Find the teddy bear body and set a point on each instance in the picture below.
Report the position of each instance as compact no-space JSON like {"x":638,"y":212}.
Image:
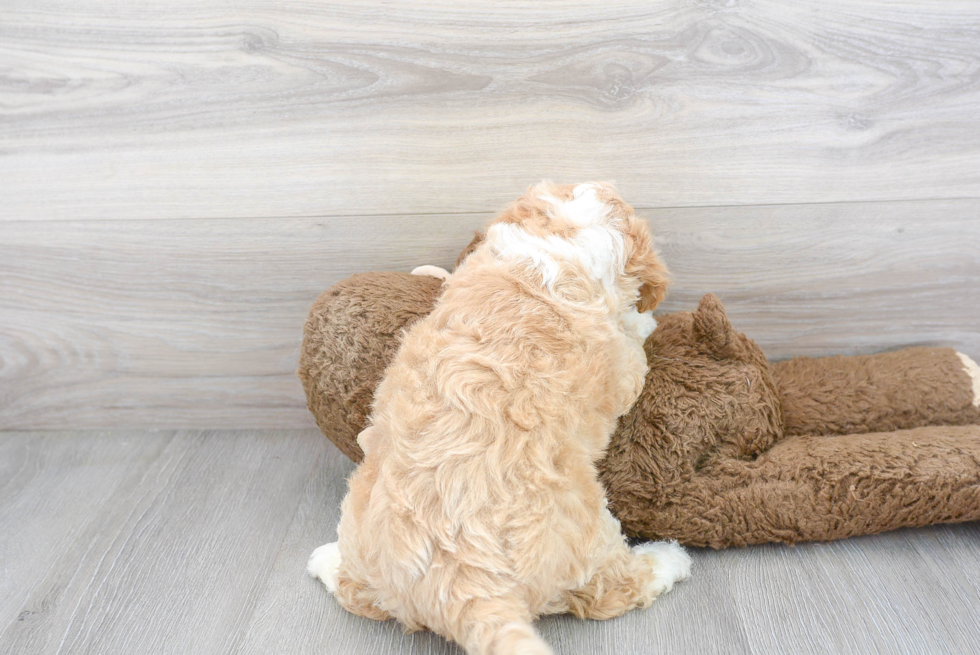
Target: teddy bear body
{"x":724,"y":448}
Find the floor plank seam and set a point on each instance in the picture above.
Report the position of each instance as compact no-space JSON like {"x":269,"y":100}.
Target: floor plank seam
{"x":485,"y":212}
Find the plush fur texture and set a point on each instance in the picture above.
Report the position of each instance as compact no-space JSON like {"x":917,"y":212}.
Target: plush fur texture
{"x":806,"y":449}
{"x":477,"y":506}
{"x":723,"y":449}
{"x":351,"y":335}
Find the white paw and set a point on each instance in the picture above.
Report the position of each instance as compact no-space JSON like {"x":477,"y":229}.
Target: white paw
{"x":639,"y":325}
{"x":671,"y":563}
{"x":324,"y":563}
{"x":974,"y":372}
{"x":432,"y":271}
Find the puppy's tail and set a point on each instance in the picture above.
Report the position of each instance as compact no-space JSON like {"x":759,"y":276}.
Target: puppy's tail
{"x":500,"y":627}
{"x":517,"y":639}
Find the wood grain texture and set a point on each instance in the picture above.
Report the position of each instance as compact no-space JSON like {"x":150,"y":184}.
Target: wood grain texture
{"x":191,"y":323}
{"x":196,"y":542}
{"x":53,"y":487}
{"x":833,"y":279}
{"x":177,"y":323}
{"x":113,"y":110}
{"x":173,"y":559}
{"x":894,"y":593}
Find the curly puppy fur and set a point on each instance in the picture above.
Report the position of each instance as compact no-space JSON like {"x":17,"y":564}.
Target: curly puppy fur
{"x":477,"y":507}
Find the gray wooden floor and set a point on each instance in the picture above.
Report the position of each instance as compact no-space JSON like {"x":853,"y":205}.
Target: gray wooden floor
{"x":196,"y":542}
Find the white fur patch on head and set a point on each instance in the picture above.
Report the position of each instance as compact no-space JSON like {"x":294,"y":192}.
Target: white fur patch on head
{"x":973,"y":370}
{"x":670,"y":562}
{"x":597,"y":248}
{"x":324,"y":564}
{"x":583,"y":209}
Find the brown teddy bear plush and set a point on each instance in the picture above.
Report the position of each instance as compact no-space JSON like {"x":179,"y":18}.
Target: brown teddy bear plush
{"x":725,"y":449}
{"x":722,"y":448}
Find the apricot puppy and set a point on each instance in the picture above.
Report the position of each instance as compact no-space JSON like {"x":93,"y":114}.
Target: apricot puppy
{"x":477,"y":507}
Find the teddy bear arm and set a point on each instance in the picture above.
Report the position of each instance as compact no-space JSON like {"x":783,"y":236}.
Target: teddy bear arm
{"x":818,"y":488}
{"x":899,"y":390}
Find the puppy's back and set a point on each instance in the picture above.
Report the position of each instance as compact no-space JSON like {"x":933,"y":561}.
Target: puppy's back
{"x":483,"y":480}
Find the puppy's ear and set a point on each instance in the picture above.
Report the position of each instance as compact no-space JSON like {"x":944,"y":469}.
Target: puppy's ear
{"x":645,"y":265}
{"x":655,"y":279}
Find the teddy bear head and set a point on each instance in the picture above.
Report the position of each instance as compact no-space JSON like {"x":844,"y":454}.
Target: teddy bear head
{"x":709,"y":397}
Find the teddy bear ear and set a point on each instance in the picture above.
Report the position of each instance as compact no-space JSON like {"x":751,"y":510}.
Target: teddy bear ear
{"x":712,"y":327}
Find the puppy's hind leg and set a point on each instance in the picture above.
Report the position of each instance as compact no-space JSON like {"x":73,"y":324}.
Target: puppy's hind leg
{"x":666,"y":562}
{"x":326,"y":565}
{"x":628,"y":578}
{"x":633,"y":579}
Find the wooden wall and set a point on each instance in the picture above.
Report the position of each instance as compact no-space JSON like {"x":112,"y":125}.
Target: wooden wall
{"x":179,"y":180}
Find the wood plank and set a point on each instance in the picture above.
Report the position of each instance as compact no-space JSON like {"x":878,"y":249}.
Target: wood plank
{"x":53,"y":486}
{"x":833,"y":279}
{"x":198,"y":323}
{"x":176,"y":555}
{"x":196,"y":542}
{"x":259,"y":108}
{"x":886,"y":593}
{"x":178,"y":323}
